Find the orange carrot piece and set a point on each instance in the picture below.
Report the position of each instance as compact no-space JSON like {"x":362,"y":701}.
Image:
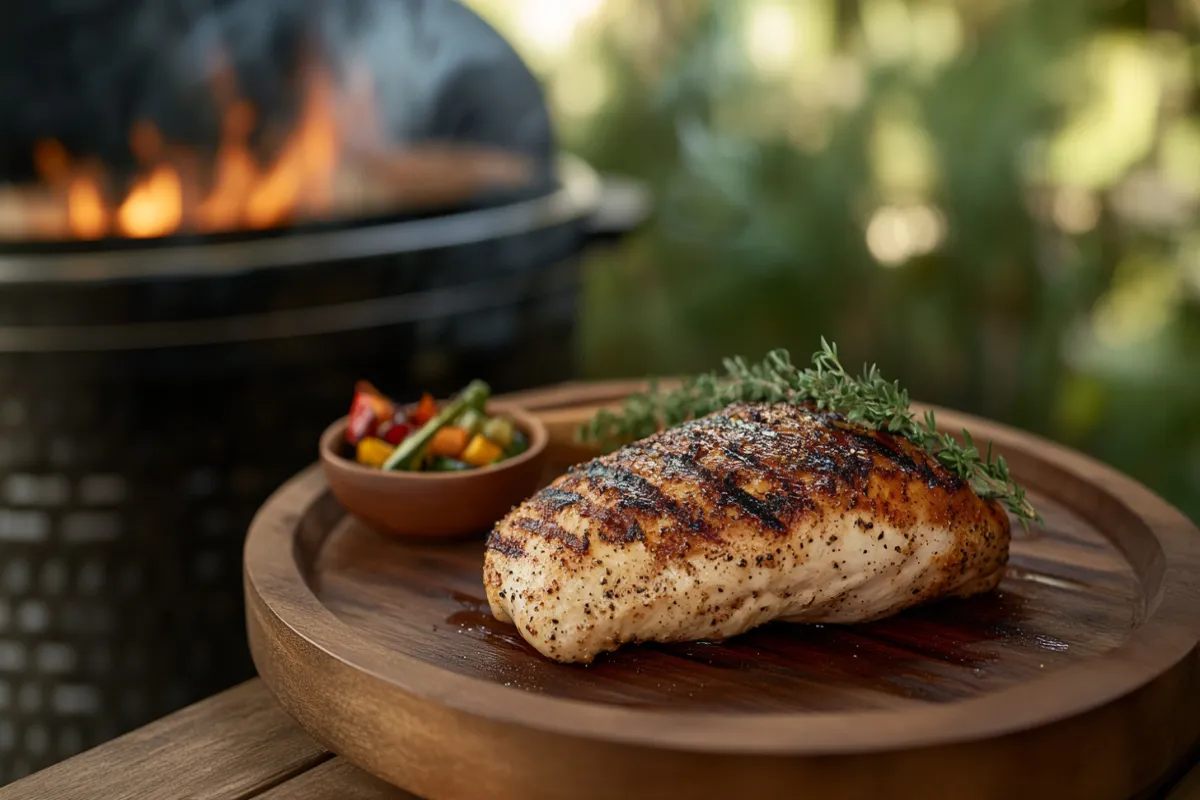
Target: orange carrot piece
{"x":449,"y":442}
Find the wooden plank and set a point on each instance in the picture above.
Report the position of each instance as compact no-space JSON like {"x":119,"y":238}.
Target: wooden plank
{"x":232,"y":746}
{"x":336,"y":779}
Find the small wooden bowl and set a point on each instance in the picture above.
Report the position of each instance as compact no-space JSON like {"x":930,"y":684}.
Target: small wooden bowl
{"x":435,"y":505}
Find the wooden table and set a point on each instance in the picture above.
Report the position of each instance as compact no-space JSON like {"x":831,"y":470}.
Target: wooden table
{"x":240,"y":745}
{"x":236,"y":745}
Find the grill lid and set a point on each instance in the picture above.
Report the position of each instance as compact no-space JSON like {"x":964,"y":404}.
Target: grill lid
{"x":154,"y":118}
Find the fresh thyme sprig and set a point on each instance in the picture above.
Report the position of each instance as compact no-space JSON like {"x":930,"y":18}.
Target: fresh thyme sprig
{"x":868,"y":400}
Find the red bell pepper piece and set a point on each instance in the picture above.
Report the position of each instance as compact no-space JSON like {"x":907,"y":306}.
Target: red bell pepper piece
{"x":426,"y":410}
{"x":395,"y":432}
{"x":369,"y":408}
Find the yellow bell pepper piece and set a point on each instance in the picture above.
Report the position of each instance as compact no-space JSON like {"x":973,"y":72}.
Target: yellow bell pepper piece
{"x":480,"y":452}
{"x":372,"y":452}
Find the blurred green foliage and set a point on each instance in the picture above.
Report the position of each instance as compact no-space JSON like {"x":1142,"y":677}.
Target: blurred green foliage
{"x":996,"y":200}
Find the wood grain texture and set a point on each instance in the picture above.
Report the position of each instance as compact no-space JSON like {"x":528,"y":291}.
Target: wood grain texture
{"x":1066,"y":600}
{"x":1080,"y":678}
{"x":337,"y":779}
{"x":130,"y":771}
{"x":230,"y":747}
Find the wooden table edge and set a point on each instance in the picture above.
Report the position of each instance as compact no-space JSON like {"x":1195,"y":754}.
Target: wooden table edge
{"x":234,"y":745}
{"x":317,"y":775}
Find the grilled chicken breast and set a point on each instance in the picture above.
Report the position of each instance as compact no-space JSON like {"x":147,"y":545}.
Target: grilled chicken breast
{"x":755,"y":513}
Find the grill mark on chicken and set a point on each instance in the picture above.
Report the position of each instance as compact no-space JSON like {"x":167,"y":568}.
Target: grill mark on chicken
{"x":558,"y":498}
{"x":548,"y":530}
{"x":614,"y":522}
{"x":634,"y":493}
{"x":844,"y":452}
{"x":795,"y":451}
{"x":799,"y":451}
{"x":735,"y":439}
{"x":779,"y":460}
{"x":920,"y":465}
{"x":633,"y":533}
{"x":723,"y":435}
{"x":723,"y":490}
{"x":889,"y":447}
{"x":505,"y":545}
{"x":740,"y":443}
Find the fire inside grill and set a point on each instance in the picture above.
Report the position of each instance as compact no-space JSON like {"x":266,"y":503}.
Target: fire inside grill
{"x":331,"y":163}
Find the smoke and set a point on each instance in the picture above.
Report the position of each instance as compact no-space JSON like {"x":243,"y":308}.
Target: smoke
{"x":83,"y":71}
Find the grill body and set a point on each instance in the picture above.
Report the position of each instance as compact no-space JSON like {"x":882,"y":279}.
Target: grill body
{"x":151,"y":399}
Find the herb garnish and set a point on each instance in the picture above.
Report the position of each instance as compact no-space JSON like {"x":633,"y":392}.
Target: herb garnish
{"x":868,"y":400}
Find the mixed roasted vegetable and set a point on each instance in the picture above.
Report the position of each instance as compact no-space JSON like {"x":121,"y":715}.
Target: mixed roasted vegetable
{"x":456,"y":436}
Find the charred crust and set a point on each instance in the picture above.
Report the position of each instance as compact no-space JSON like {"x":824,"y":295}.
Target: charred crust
{"x":552,"y":531}
{"x":505,"y":545}
{"x":558,"y":498}
{"x":771,"y":466}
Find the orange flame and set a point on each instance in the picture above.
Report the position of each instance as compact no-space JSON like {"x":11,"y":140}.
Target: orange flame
{"x":86,"y":212}
{"x":154,"y":206}
{"x":303,"y":173}
{"x":333,"y":160}
{"x":235,"y":173}
{"x":242,"y":194}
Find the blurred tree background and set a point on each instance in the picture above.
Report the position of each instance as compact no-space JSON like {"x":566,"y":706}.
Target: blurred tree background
{"x":996,"y":200}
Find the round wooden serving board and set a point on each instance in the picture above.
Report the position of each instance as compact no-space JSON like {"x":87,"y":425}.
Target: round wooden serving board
{"x":1078,"y":678}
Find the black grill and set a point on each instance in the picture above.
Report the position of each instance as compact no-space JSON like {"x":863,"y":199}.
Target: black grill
{"x":148,"y":409}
